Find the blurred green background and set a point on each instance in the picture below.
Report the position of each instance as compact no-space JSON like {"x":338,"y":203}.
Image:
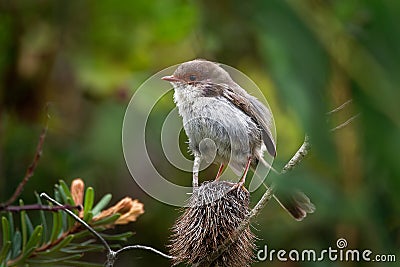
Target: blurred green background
{"x":85,"y":59}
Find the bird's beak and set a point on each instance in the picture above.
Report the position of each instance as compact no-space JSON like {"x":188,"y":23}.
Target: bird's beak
{"x":170,"y":78}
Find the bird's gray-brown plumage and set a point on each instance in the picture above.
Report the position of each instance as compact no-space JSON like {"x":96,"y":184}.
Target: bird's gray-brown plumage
{"x":220,"y":118}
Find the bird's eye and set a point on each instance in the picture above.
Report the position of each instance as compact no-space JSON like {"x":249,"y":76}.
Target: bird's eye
{"x":192,"y":77}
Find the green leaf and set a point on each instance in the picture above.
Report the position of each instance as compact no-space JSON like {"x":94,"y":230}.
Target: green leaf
{"x":89,"y":216}
{"x":101,"y":204}
{"x":70,"y":220}
{"x":85,"y":243}
{"x":4,"y":251}
{"x":85,"y":233}
{"x":59,"y":246}
{"x":29,"y":224}
{"x":23,"y":257}
{"x":52,"y":261}
{"x":83,"y":249}
{"x":23,"y":226}
{"x":67,"y":192}
{"x":27,"y":253}
{"x":42,"y":220}
{"x":82,"y":264}
{"x":64,"y":221}
{"x":57,"y":195}
{"x":62,"y":194}
{"x":88,"y":203}
{"x":106,"y":220}
{"x":35,"y":238}
{"x":82,"y":234}
{"x":11,"y":221}
{"x":120,"y":237}
{"x":57,"y":224}
{"x":16,"y":244}
{"x":6,"y":229}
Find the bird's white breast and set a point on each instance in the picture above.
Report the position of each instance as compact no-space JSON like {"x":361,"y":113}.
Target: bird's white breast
{"x":232,"y":131}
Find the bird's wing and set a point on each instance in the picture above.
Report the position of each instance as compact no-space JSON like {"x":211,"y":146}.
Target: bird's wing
{"x":250,"y":106}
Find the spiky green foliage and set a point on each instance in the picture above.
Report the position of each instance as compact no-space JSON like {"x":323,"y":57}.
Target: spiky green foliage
{"x":64,"y":241}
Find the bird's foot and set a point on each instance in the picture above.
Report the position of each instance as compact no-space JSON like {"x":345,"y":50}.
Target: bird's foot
{"x":219,"y":173}
{"x":238,"y":186}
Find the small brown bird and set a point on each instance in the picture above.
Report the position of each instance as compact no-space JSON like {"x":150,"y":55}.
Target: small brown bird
{"x":225,"y":124}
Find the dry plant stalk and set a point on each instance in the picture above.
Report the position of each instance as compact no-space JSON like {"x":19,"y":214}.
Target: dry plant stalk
{"x":213,"y":214}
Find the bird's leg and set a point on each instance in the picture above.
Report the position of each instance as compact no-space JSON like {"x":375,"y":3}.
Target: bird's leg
{"x":219,"y":173}
{"x":196,"y":166}
{"x":243,"y":178}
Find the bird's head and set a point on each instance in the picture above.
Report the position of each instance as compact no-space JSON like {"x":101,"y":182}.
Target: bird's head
{"x":199,"y":71}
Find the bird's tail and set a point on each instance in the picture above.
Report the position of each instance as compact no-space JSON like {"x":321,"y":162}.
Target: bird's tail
{"x":297,"y":204}
{"x":293,"y":201}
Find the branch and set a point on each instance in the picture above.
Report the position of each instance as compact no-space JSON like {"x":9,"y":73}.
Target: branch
{"x":144,"y":248}
{"x":31,"y":169}
{"x":111,"y":254}
{"x":340,"y":126}
{"x":298,"y":156}
{"x":339,"y":108}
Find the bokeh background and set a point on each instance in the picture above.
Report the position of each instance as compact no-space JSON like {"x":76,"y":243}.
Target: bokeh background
{"x":85,"y":59}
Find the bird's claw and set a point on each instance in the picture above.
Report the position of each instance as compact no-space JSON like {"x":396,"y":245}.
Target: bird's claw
{"x":238,"y":186}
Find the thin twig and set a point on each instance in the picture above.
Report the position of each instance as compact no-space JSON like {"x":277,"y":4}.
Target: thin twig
{"x":40,"y":207}
{"x":339,"y":108}
{"x":144,"y":248}
{"x":298,"y":156}
{"x":340,"y":126}
{"x":111,"y":254}
{"x":31,"y":169}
